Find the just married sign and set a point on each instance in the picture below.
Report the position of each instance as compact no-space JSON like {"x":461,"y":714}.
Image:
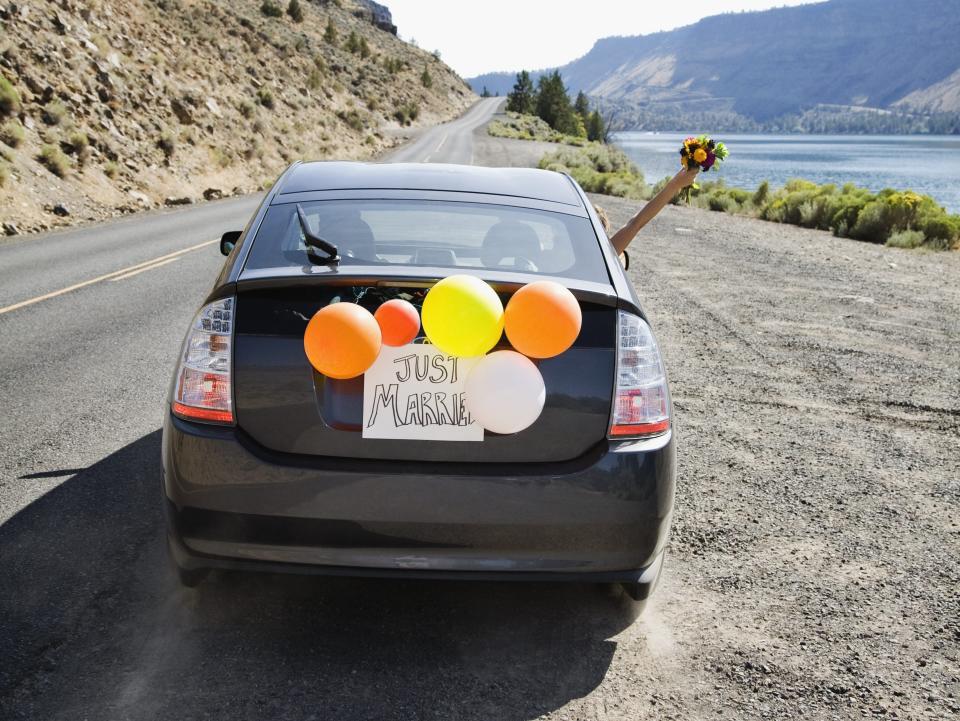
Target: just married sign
{"x":415,"y":392}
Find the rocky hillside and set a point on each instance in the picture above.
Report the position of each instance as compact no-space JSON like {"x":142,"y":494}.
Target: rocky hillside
{"x":853,"y":54}
{"x":111,"y":106}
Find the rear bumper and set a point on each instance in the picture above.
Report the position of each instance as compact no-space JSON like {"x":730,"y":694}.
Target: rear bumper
{"x":232,"y":504}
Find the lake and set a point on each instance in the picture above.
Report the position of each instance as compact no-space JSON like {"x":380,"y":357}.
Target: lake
{"x":927,"y":164}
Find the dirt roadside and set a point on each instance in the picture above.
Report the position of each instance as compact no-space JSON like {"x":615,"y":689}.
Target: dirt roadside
{"x":814,"y":567}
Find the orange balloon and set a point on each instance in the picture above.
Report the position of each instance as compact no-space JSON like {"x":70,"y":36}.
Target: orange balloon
{"x":542,"y":319}
{"x":399,"y":322}
{"x":342,"y":340}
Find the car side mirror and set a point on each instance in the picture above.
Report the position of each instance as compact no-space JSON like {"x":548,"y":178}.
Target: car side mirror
{"x":625,"y":260}
{"x":228,"y":240}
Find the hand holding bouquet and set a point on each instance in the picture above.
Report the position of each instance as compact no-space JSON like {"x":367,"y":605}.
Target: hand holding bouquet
{"x":701,"y":153}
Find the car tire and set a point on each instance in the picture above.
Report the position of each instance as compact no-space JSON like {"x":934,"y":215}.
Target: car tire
{"x":641,"y":589}
{"x":191,"y":577}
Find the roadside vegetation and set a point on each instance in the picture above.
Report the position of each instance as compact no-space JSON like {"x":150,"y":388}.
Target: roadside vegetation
{"x":599,"y":168}
{"x":530,"y":127}
{"x":896,"y":218}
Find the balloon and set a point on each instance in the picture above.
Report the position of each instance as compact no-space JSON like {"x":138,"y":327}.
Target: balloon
{"x":399,"y":322}
{"x":342,"y":340}
{"x":504,"y":392}
{"x":463,"y":316}
{"x":542,"y":319}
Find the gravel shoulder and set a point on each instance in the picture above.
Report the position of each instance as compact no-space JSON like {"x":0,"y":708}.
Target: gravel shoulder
{"x":814,"y":565}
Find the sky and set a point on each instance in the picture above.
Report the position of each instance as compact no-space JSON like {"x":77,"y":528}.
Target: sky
{"x":476,"y":38}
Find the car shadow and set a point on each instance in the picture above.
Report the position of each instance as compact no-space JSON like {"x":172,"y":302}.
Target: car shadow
{"x":96,"y":625}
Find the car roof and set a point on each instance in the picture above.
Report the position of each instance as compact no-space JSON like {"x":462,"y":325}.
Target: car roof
{"x":514,"y":182}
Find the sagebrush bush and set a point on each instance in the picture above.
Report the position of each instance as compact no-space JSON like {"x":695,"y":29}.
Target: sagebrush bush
{"x":167,"y":143}
{"x":246,"y":108}
{"x":599,"y":168}
{"x":12,"y":133}
{"x":55,"y":161}
{"x":4,"y":174}
{"x":9,"y":98}
{"x":265,"y":98}
{"x":907,"y":239}
{"x":78,"y":144}
{"x":111,"y":169}
{"x":902,"y":218}
{"x":295,"y":11}
{"x":271,"y":9}
{"x":54,"y":112}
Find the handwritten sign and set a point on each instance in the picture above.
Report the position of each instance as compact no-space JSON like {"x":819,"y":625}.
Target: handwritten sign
{"x":415,"y":392}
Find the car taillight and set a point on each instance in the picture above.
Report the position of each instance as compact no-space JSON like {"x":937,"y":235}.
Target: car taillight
{"x":641,"y":402}
{"x":203,"y":390}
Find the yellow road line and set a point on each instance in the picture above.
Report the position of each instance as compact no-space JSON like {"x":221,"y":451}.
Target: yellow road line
{"x":140,"y":270}
{"x":107,"y":276}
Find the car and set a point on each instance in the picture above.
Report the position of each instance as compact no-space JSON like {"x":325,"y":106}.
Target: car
{"x":268,"y":465}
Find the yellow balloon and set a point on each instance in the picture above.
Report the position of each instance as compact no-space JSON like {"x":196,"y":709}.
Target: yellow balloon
{"x":463,"y":316}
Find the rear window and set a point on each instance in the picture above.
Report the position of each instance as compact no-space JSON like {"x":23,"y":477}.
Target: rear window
{"x":434,"y":234}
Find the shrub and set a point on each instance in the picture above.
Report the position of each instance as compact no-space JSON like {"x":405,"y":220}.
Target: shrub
{"x":598,"y":168}
{"x":761,"y":194}
{"x":12,"y":133}
{"x":364,"y":48}
{"x":295,"y":11}
{"x":425,"y":78}
{"x":722,"y":202}
{"x":393,"y":65}
{"x":111,"y":169}
{"x":265,"y":98}
{"x":314,"y":79}
{"x":407,"y":113}
{"x":9,"y":98}
{"x":55,"y":161}
{"x":246,"y":108}
{"x":54,"y":112}
{"x":167,"y":143}
{"x":4,"y":174}
{"x":906,"y":239}
{"x":330,"y":33}
{"x":353,"y":119}
{"x":271,"y":9}
{"x":79,"y":144}
{"x":353,"y":42}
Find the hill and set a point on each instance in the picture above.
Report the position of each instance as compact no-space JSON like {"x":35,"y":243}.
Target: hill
{"x":111,"y":106}
{"x":760,"y":66}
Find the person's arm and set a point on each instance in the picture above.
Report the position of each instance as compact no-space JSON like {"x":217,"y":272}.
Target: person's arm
{"x":621,"y":239}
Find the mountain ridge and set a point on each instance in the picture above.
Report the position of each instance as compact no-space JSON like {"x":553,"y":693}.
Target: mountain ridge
{"x":836,"y":53}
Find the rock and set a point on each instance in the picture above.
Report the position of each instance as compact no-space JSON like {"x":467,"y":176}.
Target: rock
{"x":139,"y":197}
{"x":182,"y":111}
{"x":213,"y":107}
{"x":212,"y":194}
{"x":10,"y":229}
{"x":178,"y":201}
{"x":58,"y":209}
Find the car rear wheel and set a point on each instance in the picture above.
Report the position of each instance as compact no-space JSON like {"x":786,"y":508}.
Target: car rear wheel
{"x":641,"y":589}
{"x":191,"y":577}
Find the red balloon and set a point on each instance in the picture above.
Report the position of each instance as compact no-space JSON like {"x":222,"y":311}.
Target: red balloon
{"x":399,"y":322}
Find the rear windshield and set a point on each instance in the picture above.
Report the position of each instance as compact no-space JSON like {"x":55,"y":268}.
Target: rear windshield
{"x":435,"y":234}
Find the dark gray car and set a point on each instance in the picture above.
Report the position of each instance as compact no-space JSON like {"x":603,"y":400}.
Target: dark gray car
{"x":266,"y":466}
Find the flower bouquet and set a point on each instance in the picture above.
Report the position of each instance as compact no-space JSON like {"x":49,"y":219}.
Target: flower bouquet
{"x":702,"y":153}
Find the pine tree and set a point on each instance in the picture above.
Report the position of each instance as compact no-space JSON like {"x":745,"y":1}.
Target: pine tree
{"x":485,"y":93}
{"x":596,"y":128}
{"x":553,"y":104}
{"x":582,"y":107}
{"x":523,"y":97}
{"x":295,"y":11}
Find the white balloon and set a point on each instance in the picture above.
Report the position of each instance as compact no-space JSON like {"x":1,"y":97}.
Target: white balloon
{"x":504,"y":392}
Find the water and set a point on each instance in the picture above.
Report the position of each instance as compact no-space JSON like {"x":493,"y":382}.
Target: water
{"x":927,"y":164}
